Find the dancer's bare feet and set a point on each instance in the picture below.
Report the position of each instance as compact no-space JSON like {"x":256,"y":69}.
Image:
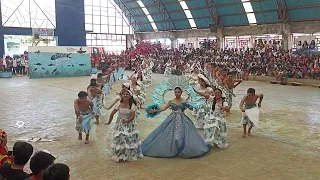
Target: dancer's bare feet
{"x":244,"y":135}
{"x":249,"y":134}
{"x":87,"y":140}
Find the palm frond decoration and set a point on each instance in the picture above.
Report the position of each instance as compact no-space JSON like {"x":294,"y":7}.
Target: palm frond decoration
{"x":176,"y":81}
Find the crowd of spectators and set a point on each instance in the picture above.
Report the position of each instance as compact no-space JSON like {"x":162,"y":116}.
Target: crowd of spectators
{"x":17,"y":64}
{"x":265,"y":59}
{"x":42,"y":163}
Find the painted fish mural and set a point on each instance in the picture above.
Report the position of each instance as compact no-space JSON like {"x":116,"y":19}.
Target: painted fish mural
{"x":45,"y":64}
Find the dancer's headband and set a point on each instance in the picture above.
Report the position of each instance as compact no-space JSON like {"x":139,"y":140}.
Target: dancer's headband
{"x":127,"y":85}
{"x":206,"y":80}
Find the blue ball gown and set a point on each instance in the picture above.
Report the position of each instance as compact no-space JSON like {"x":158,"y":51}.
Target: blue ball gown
{"x":176,"y":136}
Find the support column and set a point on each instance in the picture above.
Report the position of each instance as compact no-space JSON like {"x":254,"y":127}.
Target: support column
{"x":251,"y":41}
{"x":130,"y":41}
{"x":174,"y":43}
{"x":220,"y":38}
{"x":286,"y":36}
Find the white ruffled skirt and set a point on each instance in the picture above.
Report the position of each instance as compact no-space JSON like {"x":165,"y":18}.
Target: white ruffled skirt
{"x":215,"y":130}
{"x":125,"y":142}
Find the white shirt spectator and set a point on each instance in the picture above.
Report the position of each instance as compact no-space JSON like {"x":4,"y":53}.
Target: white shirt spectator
{"x":14,"y":63}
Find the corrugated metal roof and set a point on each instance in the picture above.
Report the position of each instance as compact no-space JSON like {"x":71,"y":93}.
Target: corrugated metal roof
{"x":169,"y":15}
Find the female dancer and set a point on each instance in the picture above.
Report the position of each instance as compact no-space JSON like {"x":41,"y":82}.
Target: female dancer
{"x":215,"y":128}
{"x":139,"y":96}
{"x":194,"y":76}
{"x":140,"y":78}
{"x":176,"y":136}
{"x":204,"y":87}
{"x":125,"y":135}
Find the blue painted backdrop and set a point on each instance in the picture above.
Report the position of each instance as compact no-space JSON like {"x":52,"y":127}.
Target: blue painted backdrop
{"x":45,"y":65}
{"x":70,"y":25}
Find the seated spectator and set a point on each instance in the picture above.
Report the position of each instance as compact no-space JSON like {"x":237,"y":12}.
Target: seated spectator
{"x":21,"y":154}
{"x":4,"y":155}
{"x":39,"y":163}
{"x":57,"y":172}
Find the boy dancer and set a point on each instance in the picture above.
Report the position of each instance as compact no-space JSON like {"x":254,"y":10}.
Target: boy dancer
{"x":94,"y":94}
{"x":230,"y":84}
{"x":248,"y":102}
{"x":83,"y":108}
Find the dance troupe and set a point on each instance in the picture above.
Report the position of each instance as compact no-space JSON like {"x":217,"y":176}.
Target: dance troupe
{"x":209,"y":92}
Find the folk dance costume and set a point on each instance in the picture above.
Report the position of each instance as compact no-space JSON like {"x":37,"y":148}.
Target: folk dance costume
{"x":136,"y":91}
{"x":85,"y":124}
{"x":176,"y":136}
{"x":168,"y":70}
{"x":194,"y":81}
{"x":226,"y":92}
{"x":250,"y":118}
{"x":125,"y":141}
{"x":205,"y":107}
{"x":215,"y":128}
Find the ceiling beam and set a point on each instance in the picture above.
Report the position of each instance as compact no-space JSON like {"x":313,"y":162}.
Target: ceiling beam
{"x":213,"y":11}
{"x":216,"y":5}
{"x":128,"y":14}
{"x":165,"y":15}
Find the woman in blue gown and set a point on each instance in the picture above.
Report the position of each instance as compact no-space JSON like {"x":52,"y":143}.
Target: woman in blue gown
{"x":177,"y":135}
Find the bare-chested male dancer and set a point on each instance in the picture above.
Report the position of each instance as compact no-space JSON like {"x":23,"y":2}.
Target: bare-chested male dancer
{"x":230,"y":84}
{"x":83,"y":108}
{"x":248,"y":102}
{"x":94,"y":94}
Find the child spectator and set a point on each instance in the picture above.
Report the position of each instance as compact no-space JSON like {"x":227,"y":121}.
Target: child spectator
{"x":21,"y":154}
{"x":39,"y":163}
{"x":57,"y":172}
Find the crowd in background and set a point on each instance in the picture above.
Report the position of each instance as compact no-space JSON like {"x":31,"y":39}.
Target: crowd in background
{"x":17,"y":64}
{"x":266,"y":59}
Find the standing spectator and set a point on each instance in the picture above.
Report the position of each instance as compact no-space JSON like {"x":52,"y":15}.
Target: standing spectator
{"x":22,"y":65}
{"x":14,"y":66}
{"x":22,"y":152}
{"x":57,"y":172}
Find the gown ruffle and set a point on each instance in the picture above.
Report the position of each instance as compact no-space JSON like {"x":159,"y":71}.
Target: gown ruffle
{"x":176,"y":136}
{"x":215,"y":129}
{"x":125,"y":142}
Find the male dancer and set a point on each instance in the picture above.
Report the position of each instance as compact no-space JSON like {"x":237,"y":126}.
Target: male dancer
{"x":248,"y":102}
{"x":83,"y":108}
{"x":230,"y":84}
{"x":94,"y":93}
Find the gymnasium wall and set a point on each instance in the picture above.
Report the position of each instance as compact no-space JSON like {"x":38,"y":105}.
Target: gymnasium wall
{"x":70,"y":25}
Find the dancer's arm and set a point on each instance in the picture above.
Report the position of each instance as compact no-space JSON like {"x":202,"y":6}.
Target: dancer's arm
{"x":111,"y":116}
{"x":163,"y":108}
{"x":76,"y":108}
{"x":114,"y":103}
{"x":242,"y":103}
{"x":237,"y":81}
{"x":225,"y":106}
{"x":203,"y":94}
{"x":260,"y":99}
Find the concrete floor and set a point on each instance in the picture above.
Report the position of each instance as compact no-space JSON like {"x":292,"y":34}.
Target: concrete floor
{"x":285,"y":146}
